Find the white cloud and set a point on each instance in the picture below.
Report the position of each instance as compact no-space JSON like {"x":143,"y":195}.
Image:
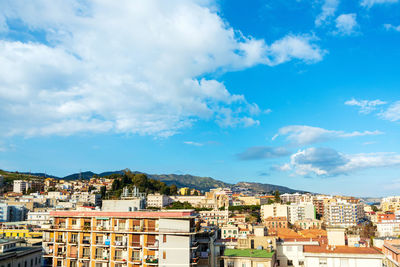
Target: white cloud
{"x":392,"y":113}
{"x":128,"y":66}
{"x":295,"y":47}
{"x":391,"y":27}
{"x":191,"y":143}
{"x":370,"y":3}
{"x":366,"y":106}
{"x":346,"y":24}
{"x":328,"y":10}
{"x":329,"y":162}
{"x":304,"y":135}
{"x":263,"y":152}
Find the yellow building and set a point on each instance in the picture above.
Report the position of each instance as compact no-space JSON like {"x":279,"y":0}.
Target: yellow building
{"x":184,"y":191}
{"x":20,"y":233}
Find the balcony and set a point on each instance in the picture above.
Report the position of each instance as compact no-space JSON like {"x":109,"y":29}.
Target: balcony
{"x":86,"y":242}
{"x":60,"y":240}
{"x":136,"y":245}
{"x":73,"y":241}
{"x":152,"y":261}
{"x":135,"y":259}
{"x":194,"y":261}
{"x":152,"y":245}
{"x":120,"y":244}
{"x":86,"y":257}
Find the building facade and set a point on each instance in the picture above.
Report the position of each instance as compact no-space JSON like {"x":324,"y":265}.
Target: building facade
{"x":120,"y":239}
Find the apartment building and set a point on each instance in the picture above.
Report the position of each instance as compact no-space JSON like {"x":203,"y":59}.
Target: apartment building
{"x":390,"y":203}
{"x":12,"y":254}
{"x":343,"y":214}
{"x":391,"y":249}
{"x":120,"y":239}
{"x":20,"y":186}
{"x":274,"y":210}
{"x":158,"y":200}
{"x":292,"y":198}
{"x":301,"y":211}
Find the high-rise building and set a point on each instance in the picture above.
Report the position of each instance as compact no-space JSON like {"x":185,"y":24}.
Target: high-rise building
{"x":298,"y":212}
{"x":121,"y":239}
{"x":343,"y":213}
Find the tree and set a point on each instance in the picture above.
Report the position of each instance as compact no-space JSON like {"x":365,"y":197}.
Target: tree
{"x":374,"y":208}
{"x":173,"y":190}
{"x":103,"y":191}
{"x":277,"y":196}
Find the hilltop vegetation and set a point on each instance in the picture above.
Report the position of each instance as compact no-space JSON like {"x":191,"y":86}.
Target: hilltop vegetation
{"x":129,"y":179}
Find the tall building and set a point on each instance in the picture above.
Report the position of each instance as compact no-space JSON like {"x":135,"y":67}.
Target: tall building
{"x":274,"y":210}
{"x":302,"y":211}
{"x":343,"y":213}
{"x":120,"y":239}
{"x":20,"y":186}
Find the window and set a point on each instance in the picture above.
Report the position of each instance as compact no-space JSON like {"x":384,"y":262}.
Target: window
{"x":99,"y":253}
{"x":165,"y":238}
{"x":290,"y":263}
{"x":73,"y":264}
{"x":323,"y":262}
{"x":136,"y":255}
{"x":301,"y":263}
{"x":164,"y":255}
{"x":86,"y":252}
{"x":118,"y":254}
{"x":231,"y":264}
{"x":278,"y":263}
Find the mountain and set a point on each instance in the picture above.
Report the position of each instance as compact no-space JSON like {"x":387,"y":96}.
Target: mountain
{"x":191,"y":181}
{"x":265,"y":188}
{"x":187,"y":180}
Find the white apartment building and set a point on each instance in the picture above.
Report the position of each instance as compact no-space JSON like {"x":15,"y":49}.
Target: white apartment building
{"x":299,"y":212}
{"x":274,"y":210}
{"x":343,"y":214}
{"x":388,"y":229}
{"x":158,"y":200}
{"x":39,"y":218}
{"x":290,"y":253}
{"x":229,"y":231}
{"x":20,"y":186}
{"x":86,"y":197}
{"x":215,"y":217}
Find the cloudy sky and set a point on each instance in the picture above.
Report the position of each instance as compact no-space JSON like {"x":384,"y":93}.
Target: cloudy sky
{"x":301,"y":93}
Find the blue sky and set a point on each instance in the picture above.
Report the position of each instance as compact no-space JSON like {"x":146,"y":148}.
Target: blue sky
{"x":303,"y":94}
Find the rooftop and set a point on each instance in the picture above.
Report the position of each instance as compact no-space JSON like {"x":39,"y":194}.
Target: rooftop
{"x":251,"y":253}
{"x":340,"y":250}
{"x":129,"y":214}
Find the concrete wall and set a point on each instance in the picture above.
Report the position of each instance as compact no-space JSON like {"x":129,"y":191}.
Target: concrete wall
{"x":175,"y":251}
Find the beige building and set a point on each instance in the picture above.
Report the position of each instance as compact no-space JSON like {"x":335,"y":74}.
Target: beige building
{"x":274,"y":210}
{"x":158,"y":200}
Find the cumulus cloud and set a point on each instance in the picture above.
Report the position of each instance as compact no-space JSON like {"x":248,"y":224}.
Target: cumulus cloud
{"x":389,"y":27}
{"x":329,"y":162}
{"x":366,"y":106}
{"x":328,"y":10}
{"x":370,"y":3}
{"x":392,"y":113}
{"x":305,"y":135}
{"x":127,"y":66}
{"x":263,"y":152}
{"x":346,"y":24}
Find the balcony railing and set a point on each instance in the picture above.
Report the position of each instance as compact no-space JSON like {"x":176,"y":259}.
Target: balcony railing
{"x":136,"y":244}
{"x":151,"y":260}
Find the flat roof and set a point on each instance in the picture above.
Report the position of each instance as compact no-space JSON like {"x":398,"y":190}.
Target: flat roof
{"x":128,"y":214}
{"x":251,"y":253}
{"x":340,"y":250}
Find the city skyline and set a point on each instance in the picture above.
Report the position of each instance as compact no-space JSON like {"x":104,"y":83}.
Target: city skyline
{"x":300,"y":94}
